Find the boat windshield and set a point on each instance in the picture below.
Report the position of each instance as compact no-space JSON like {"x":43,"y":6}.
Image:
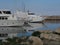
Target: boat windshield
{"x":31,"y":13}
{"x":6,"y":12}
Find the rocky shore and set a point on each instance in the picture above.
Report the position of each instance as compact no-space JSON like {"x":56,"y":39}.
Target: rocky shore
{"x":42,"y":37}
{"x":48,"y":37}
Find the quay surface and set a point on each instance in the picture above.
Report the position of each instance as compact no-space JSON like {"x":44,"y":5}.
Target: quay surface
{"x":52,"y":19}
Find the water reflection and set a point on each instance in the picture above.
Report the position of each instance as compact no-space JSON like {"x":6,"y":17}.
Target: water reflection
{"x":11,"y":29}
{"x":33,"y":26}
{"x":22,"y":32}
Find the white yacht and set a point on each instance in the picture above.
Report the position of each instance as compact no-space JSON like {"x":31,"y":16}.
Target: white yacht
{"x":35,"y":18}
{"x":30,"y":17}
{"x":9,"y":19}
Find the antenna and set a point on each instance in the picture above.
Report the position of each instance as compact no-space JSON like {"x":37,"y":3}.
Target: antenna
{"x":23,"y":6}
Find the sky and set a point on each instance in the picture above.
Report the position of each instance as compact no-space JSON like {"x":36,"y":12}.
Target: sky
{"x":43,"y":7}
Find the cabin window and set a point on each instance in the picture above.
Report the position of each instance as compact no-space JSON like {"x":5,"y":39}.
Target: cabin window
{"x":0,"y":17}
{"x":6,"y":18}
{"x":6,"y":12}
{"x":0,"y":12}
{"x":0,"y":35}
{"x":3,"y":18}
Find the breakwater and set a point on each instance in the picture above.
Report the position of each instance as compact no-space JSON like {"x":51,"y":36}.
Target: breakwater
{"x":52,"y":19}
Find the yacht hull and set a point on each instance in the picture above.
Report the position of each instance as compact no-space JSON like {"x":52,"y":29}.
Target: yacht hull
{"x":11,"y":22}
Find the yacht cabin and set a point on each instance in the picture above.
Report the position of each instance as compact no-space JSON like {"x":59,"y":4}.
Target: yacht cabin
{"x":4,"y":15}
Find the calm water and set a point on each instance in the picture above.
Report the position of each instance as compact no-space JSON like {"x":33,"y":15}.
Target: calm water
{"x":49,"y":26}
{"x":46,"y":26}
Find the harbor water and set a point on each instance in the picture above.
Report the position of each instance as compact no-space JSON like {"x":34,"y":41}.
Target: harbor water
{"x":45,"y":26}
{"x":25,"y":32}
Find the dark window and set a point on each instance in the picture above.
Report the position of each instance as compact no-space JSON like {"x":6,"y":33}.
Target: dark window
{"x":6,"y":12}
{"x":0,"y":12}
{"x":6,"y":18}
{"x":2,"y":18}
{"x":0,"y":35}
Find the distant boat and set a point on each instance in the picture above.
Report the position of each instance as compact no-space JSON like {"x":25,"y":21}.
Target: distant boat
{"x":35,"y":18}
{"x":29,"y":17}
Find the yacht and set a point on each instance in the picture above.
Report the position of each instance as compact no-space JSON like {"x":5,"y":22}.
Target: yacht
{"x":35,"y":18}
{"x":9,"y":19}
{"x":30,"y":17}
